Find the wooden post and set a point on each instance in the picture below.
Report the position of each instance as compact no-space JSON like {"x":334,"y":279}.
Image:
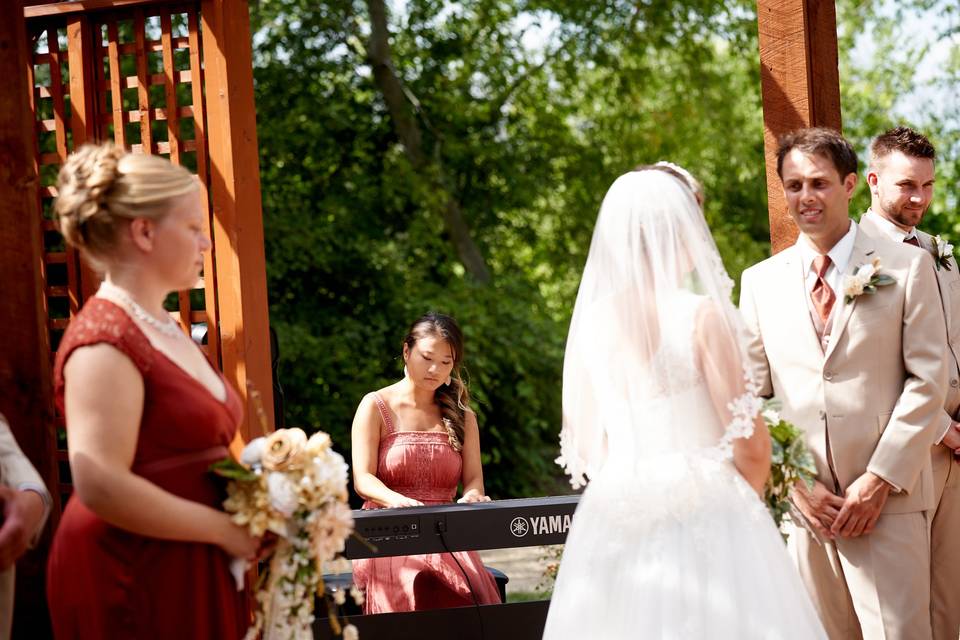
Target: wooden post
{"x":26,"y":394}
{"x":237,"y":217}
{"x":83,"y":125}
{"x":800,"y":82}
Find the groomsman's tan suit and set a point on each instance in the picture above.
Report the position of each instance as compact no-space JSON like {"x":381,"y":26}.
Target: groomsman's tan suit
{"x":868,"y":399}
{"x":15,"y":472}
{"x":945,"y":526}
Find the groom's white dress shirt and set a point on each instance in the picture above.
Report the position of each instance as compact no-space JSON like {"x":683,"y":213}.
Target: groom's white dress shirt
{"x":839,"y":258}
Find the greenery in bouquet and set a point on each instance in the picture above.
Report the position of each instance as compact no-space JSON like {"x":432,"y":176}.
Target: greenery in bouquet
{"x":296,"y":488}
{"x":790,"y":461}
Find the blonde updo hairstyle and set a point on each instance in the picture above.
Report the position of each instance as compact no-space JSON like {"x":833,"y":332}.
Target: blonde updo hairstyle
{"x":101,"y":187}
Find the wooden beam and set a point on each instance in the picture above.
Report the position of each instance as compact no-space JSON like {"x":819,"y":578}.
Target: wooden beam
{"x":56,"y":8}
{"x":800,"y":82}
{"x":237,"y":223}
{"x":26,"y":393}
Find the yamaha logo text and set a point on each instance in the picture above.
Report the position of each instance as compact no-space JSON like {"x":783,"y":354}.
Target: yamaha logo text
{"x":539,"y":525}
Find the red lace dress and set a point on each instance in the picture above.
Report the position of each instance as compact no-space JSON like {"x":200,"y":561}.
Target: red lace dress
{"x":105,"y":582}
{"x":420,"y":465}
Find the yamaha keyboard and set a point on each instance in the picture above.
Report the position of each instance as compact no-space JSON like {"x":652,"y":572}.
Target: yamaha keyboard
{"x":524,"y":522}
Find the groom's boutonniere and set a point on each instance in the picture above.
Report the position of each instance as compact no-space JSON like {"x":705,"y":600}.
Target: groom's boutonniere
{"x":942,"y":253}
{"x":865,"y":279}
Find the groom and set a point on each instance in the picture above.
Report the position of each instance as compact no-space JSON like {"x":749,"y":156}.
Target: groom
{"x":858,"y":365}
{"x":901,"y":178}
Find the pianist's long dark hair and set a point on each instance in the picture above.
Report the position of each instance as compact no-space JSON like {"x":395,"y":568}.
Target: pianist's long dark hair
{"x":453,"y":398}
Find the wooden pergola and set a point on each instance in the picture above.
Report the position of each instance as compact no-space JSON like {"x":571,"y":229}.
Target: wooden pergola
{"x":174,"y":77}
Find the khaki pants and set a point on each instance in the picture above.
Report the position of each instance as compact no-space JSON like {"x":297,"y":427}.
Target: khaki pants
{"x":945,"y":548}
{"x":875,"y":587}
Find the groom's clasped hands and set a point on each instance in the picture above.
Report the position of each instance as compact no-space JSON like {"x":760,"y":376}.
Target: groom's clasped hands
{"x":848,"y":516}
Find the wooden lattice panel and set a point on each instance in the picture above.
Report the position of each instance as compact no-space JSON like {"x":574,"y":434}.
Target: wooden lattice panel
{"x":138,"y":82}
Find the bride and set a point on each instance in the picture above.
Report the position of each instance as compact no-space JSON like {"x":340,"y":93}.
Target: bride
{"x":671,"y":538}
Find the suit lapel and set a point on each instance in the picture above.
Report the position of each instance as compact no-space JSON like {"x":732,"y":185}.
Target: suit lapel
{"x":863,"y":250}
{"x":944,"y":277}
{"x":794,"y":299}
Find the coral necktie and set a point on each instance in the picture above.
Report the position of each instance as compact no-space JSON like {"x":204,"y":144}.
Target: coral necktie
{"x":822,"y":295}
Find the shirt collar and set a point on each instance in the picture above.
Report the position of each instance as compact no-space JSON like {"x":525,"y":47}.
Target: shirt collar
{"x":889,"y":229}
{"x":839,"y":254}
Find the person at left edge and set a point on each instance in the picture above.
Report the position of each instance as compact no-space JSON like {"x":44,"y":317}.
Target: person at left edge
{"x":24,"y":507}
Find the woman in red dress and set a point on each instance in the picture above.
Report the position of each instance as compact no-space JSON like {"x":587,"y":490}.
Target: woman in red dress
{"x":143,"y":548}
{"x":413,"y":443}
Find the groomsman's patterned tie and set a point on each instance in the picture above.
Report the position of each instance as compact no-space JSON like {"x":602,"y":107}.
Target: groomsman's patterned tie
{"x":912,"y":240}
{"x":822,"y":295}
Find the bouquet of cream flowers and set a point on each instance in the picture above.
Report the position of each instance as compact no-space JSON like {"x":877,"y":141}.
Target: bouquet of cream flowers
{"x":296,"y":488}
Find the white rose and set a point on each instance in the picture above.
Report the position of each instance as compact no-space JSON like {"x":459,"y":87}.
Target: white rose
{"x":253,"y":453}
{"x":866,"y":272}
{"x":852,"y":286}
{"x":318,"y":443}
{"x":350,"y":633}
{"x":944,"y":248}
{"x":282,"y":493}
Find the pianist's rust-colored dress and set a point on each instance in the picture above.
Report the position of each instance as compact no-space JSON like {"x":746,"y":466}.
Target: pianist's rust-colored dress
{"x":420,"y":465}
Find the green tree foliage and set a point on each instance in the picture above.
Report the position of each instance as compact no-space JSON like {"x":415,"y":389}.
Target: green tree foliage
{"x":884,"y":89}
{"x":525,"y":111}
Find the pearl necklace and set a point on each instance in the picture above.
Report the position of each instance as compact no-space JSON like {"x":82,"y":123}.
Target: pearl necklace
{"x":168,"y":328}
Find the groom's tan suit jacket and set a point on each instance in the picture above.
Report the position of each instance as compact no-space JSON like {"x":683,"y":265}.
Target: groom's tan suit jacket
{"x":870,"y":399}
{"x":878,"y":389}
{"x":945,"y":526}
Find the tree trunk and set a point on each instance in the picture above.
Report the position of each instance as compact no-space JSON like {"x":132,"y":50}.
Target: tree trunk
{"x":400,"y":104}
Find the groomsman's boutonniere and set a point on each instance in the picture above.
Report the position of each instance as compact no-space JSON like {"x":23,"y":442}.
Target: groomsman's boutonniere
{"x":865,"y":279}
{"x":942,"y":253}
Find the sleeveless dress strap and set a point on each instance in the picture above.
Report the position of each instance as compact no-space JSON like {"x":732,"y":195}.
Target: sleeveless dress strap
{"x":384,"y":412}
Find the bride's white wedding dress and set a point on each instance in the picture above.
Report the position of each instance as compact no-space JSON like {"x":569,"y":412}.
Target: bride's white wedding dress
{"x":668,"y":541}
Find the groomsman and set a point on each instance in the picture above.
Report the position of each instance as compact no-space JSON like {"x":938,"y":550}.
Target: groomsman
{"x":858,"y":365}
{"x":24,"y":507}
{"x":901,"y":177}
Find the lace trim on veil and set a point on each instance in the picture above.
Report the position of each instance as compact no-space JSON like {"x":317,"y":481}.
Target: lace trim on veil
{"x":743,"y":410}
{"x":573,"y":465}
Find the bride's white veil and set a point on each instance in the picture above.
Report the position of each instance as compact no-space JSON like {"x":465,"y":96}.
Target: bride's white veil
{"x":652,"y":329}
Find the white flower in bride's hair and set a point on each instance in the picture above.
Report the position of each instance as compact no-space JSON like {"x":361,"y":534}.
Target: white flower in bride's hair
{"x":283,"y":493}
{"x":252,"y":454}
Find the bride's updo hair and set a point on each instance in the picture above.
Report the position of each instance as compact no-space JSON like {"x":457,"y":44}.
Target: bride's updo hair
{"x":101,"y":186}
{"x":453,"y":398}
